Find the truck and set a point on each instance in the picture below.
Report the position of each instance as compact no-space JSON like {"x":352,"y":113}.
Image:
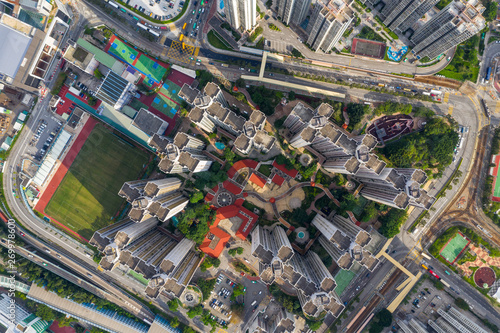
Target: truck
{"x":253,"y":303}
{"x":224,"y":65}
{"x":488,"y":74}
{"x":426,"y":93}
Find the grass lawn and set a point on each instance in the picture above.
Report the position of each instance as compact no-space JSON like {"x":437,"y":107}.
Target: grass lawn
{"x":216,"y":41}
{"x":87,"y":198}
{"x":464,"y":65}
{"x":265,"y":169}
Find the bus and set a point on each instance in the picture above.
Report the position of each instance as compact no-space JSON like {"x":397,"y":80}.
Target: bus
{"x":445,"y":283}
{"x":406,"y":89}
{"x":184,"y":26}
{"x":154,"y":33}
{"x":142,"y":26}
{"x":123,"y":10}
{"x":181,"y":37}
{"x":488,"y":73}
{"x":426,"y":256}
{"x":135,"y":18}
{"x":113,"y":4}
{"x":194,"y":26}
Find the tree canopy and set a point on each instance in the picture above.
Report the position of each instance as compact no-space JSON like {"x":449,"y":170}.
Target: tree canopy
{"x":356,"y":112}
{"x":194,"y":221}
{"x":389,"y":107}
{"x":428,"y":149}
{"x":392,"y":221}
{"x":382,"y":319}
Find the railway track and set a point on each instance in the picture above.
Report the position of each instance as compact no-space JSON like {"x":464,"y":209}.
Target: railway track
{"x":376,"y":299}
{"x":470,"y":214}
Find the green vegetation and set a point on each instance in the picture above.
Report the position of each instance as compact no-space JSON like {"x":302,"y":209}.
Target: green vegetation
{"x":297,"y":54}
{"x":233,"y":252}
{"x":210,"y":178}
{"x":196,"y":196}
{"x":98,"y":74}
{"x":429,"y":149}
{"x":462,"y":304}
{"x":438,"y":244}
{"x":238,"y":290}
{"x":235,"y":34}
{"x":490,"y":208}
{"x":389,"y":108}
{"x":217,"y":41}
{"x":195,"y":311}
{"x":382,"y":319}
{"x":392,"y":221}
{"x":265,"y":169}
{"x":209,"y":262}
{"x":266,"y":99}
{"x":465,"y":64}
{"x":195,"y":220}
{"x":356,"y":113}
{"x":272,"y":26}
{"x":206,"y":286}
{"x":203,"y":78}
{"x":306,"y":172}
{"x":387,"y":30}
{"x":490,"y":12}
{"x":41,"y":277}
{"x":59,"y":83}
{"x":314,"y":325}
{"x":290,"y":303}
{"x":86,"y":199}
{"x":258,"y":31}
{"x":173,"y":305}
{"x":369,"y":33}
{"x":442,"y":3}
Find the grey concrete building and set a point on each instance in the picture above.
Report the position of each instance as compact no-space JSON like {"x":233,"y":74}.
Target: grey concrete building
{"x":241,"y":14}
{"x":400,"y":16}
{"x":328,"y":23}
{"x":453,"y":25}
{"x":293,"y":11}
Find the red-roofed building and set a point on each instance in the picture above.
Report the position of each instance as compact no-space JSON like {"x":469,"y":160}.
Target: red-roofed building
{"x":292,"y":173}
{"x":240,"y":165}
{"x":209,"y":197}
{"x":216,"y":239}
{"x":257,"y":180}
{"x":278,"y":180}
{"x":232,"y":187}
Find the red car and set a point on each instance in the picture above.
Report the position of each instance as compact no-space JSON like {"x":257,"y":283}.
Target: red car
{"x":22,"y":234}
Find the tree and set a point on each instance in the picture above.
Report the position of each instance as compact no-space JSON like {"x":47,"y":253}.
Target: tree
{"x":239,"y":250}
{"x":173,"y":305}
{"x":314,"y":324}
{"x":296,"y":53}
{"x":65,"y":321}
{"x":195,"y":311}
{"x":291,"y":96}
{"x":195,"y":197}
{"x":98,"y":74}
{"x":45,"y":313}
{"x":240,"y":83}
{"x":174,"y":322}
{"x":206,"y":286}
{"x":356,"y":113}
{"x":462,"y":304}
{"x":229,"y":155}
{"x":382,"y":319}
{"x":392,"y":221}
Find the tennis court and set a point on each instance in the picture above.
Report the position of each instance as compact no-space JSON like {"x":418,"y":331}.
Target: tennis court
{"x":368,"y":48}
{"x":343,"y":278}
{"x":151,"y":68}
{"x":165,"y":105}
{"x":454,"y":247}
{"x":122,"y":51}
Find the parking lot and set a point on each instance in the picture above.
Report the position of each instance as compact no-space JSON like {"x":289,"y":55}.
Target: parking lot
{"x":220,"y":299}
{"x":158,"y":9}
{"x":44,"y":134}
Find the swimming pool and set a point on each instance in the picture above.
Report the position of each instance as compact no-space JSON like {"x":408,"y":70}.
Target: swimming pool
{"x":300,"y":234}
{"x":220,"y":145}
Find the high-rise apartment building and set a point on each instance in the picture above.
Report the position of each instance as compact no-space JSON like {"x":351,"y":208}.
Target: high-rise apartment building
{"x":293,"y":11}
{"x":453,"y":25}
{"x":160,"y":198}
{"x":241,"y":13}
{"x":402,"y":15}
{"x":328,"y":23}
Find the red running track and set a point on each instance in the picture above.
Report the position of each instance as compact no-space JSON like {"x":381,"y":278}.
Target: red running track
{"x":61,"y":172}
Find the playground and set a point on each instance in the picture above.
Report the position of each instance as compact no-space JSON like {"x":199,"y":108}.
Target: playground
{"x":152,"y":70}
{"x":455,"y":246}
{"x":343,"y":278}
{"x":395,"y":55}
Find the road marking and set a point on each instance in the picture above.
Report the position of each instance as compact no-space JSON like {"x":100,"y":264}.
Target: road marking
{"x":497,"y":107}
{"x":450,"y":110}
{"x":446,"y":96}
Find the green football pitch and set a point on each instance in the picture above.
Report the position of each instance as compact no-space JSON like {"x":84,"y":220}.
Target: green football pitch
{"x":123,"y":51}
{"x":150,"y":68}
{"x":87,"y":197}
{"x":343,"y":278}
{"x":454,"y":247}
